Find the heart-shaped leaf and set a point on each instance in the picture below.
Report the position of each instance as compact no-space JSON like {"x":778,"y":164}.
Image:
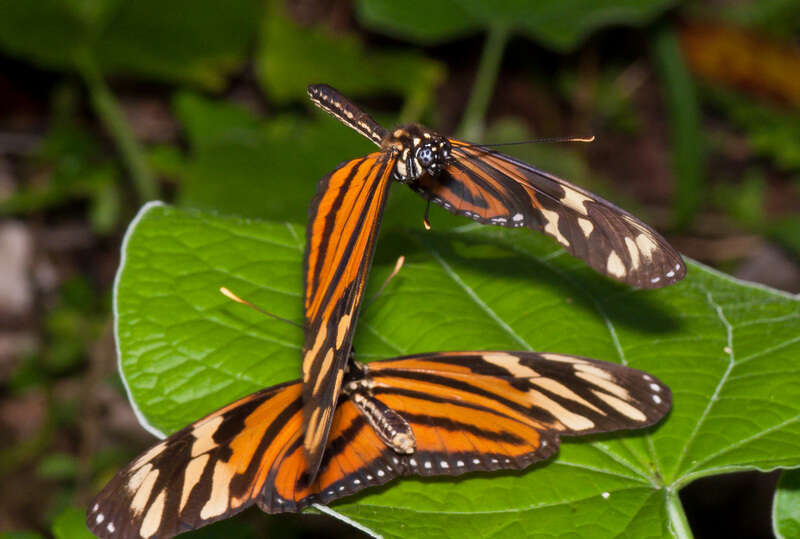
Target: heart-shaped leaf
{"x":727,"y":349}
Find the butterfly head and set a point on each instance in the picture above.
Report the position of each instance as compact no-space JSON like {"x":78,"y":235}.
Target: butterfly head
{"x":420,"y":151}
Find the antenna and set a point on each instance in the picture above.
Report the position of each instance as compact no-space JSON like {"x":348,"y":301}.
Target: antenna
{"x":397,"y":266}
{"x":539,"y":140}
{"x":227,"y":293}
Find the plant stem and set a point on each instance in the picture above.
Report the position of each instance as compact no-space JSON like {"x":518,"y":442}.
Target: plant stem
{"x":472,"y":123}
{"x":677,"y":518}
{"x":686,"y":139}
{"x":110,"y":113}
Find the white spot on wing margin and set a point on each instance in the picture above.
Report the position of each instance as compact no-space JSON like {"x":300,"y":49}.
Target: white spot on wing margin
{"x":357,"y":525}
{"x":123,"y":250}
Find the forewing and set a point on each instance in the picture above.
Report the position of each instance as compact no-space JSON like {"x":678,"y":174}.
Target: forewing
{"x":344,"y":218}
{"x":494,"y":188}
{"x":208,"y":471}
{"x":354,"y":459}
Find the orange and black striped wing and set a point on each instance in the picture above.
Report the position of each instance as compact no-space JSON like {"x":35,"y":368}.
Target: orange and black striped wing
{"x":467,"y":411}
{"x":494,"y":188}
{"x":568,"y":395}
{"x":208,"y":471}
{"x":470,"y":411}
{"x":344,"y":218}
{"x":499,"y":410}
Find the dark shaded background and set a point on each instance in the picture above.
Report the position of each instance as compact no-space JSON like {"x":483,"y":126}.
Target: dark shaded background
{"x":104,"y":105}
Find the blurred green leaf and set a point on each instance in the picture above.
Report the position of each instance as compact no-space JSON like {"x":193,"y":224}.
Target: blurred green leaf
{"x":106,"y":207}
{"x":560,"y":25}
{"x":726,"y":348}
{"x":21,"y":535}
{"x":773,"y":132}
{"x":71,"y":324}
{"x":609,"y":96}
{"x":686,"y":138}
{"x":58,"y":466}
{"x":786,"y":507}
{"x":786,"y":231}
{"x":167,"y":161}
{"x":419,"y":21}
{"x":69,"y":164}
{"x":70,"y":524}
{"x":291,"y":57}
{"x":196,"y":41}
{"x":49,"y":32}
{"x":743,"y":200}
{"x":26,"y":375}
{"x":242,"y":165}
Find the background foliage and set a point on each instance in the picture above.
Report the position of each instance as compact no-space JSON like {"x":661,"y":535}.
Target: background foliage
{"x":106,"y":105}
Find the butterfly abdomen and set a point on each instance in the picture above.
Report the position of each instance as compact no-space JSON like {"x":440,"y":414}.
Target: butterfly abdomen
{"x":346,"y":112}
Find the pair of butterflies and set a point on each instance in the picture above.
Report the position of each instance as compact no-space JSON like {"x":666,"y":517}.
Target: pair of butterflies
{"x":346,"y":426}
{"x":465,"y":179}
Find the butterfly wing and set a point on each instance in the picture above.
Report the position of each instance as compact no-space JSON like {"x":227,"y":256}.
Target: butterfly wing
{"x":344,"y":218}
{"x":493,"y":410}
{"x":570,"y":395}
{"x":467,"y":410}
{"x":208,"y":471}
{"x":356,"y":458}
{"x":494,"y":188}
{"x":470,"y":411}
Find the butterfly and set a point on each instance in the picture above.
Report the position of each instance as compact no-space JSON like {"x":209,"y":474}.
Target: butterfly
{"x":444,"y":413}
{"x":465,"y":179}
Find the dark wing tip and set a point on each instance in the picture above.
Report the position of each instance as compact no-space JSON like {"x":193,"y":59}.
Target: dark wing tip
{"x":667,"y":271}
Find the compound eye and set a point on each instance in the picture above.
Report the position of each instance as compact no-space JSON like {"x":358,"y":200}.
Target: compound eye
{"x":425,"y":156}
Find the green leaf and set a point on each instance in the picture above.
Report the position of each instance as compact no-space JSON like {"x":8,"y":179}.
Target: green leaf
{"x":560,"y":25}
{"x":772,"y":132}
{"x":21,"y":535}
{"x":786,"y":507}
{"x":443,"y":20}
{"x":58,"y":466}
{"x":73,"y":164}
{"x":727,"y":349}
{"x":786,"y":231}
{"x":71,"y":524}
{"x":242,"y":165}
{"x":197,"y":41}
{"x":289,"y":54}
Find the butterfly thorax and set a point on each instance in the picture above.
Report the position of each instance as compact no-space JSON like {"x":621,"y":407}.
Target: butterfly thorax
{"x":419,"y":151}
